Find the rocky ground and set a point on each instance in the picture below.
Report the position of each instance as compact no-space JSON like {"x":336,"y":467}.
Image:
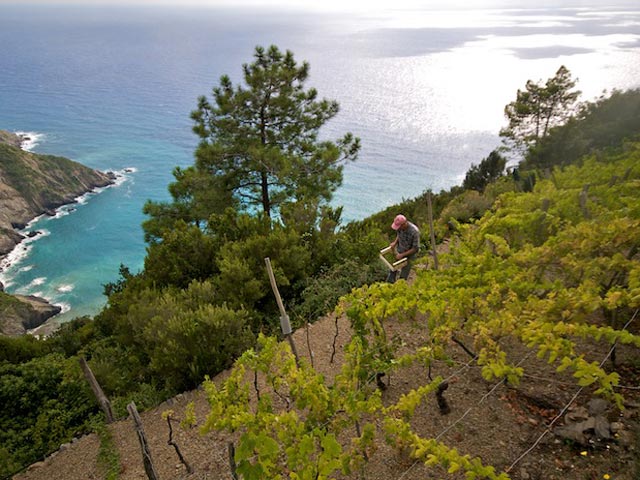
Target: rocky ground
{"x":486,"y":419}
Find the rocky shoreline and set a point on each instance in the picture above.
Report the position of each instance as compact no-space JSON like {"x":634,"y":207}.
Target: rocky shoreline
{"x":32,"y":312}
{"x":32,"y":185}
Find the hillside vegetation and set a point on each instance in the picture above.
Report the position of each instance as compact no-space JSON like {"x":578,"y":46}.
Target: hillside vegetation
{"x":555,"y":271}
{"x":541,"y":291}
{"x":543,"y":263}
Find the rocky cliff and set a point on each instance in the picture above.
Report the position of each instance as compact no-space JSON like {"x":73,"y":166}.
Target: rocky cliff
{"x":31,"y":185}
{"x":11,"y":139}
{"x":19,"y":313}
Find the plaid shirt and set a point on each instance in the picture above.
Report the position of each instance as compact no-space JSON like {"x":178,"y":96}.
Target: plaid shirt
{"x":408,"y":239}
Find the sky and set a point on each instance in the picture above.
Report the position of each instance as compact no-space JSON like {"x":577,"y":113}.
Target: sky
{"x":351,"y":5}
{"x":321,"y":4}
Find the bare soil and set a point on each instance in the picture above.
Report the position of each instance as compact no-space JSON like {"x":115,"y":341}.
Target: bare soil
{"x":486,"y":419}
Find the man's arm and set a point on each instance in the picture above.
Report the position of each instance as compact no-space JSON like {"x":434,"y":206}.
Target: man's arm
{"x":407,"y":253}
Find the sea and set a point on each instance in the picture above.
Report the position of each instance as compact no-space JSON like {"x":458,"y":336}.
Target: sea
{"x":424,"y":89}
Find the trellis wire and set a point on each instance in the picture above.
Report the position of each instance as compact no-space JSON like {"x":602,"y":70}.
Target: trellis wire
{"x":565,"y":408}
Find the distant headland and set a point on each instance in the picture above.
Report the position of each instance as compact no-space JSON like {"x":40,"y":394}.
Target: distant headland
{"x":32,"y":185}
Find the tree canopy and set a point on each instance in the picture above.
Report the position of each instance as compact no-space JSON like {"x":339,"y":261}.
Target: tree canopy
{"x":489,"y":169}
{"x":604,"y":123}
{"x":259,"y":147}
{"x":538,"y":108}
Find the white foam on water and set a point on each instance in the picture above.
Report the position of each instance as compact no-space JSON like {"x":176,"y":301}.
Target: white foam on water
{"x":123,"y":175}
{"x":65,"y":288}
{"x":82,"y":199}
{"x":30,"y":139}
{"x":65,"y":306}
{"x":33,"y":222}
{"x":17,"y":256}
{"x":62,"y":212}
{"x":36,"y":282}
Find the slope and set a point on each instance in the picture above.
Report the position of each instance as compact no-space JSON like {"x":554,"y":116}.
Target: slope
{"x":543,"y":292}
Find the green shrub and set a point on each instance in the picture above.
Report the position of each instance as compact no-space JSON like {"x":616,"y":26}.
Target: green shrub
{"x":45,"y":402}
{"x":144,"y":395}
{"x":193,"y":343}
{"x":466,"y":207}
{"x":323,"y":292}
{"x":21,"y":349}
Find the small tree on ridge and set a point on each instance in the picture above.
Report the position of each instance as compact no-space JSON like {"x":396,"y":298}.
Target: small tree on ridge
{"x":538,"y":108}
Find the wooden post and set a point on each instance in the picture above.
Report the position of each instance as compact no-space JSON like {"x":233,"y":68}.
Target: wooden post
{"x":285,"y":325}
{"x":433,"y":235}
{"x":232,"y":460}
{"x":103,"y":401}
{"x":583,"y":198}
{"x":146,"y":453}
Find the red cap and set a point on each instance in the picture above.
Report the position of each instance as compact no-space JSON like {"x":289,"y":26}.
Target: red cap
{"x":398,"y":222}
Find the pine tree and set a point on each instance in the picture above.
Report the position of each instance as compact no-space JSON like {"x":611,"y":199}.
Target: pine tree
{"x":539,"y":108}
{"x":259,"y":142}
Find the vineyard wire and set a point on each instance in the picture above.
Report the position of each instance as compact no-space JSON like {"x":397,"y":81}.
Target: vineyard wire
{"x":484,"y":397}
{"x":564,"y":409}
{"x":626,"y":387}
{"x":551,"y":380}
{"x":220,"y":457}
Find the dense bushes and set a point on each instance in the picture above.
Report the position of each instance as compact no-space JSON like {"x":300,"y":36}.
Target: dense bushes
{"x":45,"y":402}
{"x":322,"y":292}
{"x":602,"y":124}
{"x":169,"y":338}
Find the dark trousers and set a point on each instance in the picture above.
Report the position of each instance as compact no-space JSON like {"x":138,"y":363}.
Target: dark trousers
{"x":404,"y":273}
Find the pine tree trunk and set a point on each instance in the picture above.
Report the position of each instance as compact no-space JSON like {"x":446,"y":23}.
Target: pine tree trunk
{"x":266,"y":203}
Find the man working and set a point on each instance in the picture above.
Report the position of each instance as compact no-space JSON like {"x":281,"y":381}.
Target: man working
{"x":407,"y":244}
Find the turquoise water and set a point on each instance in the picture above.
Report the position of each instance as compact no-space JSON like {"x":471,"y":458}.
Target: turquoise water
{"x":112,"y":88}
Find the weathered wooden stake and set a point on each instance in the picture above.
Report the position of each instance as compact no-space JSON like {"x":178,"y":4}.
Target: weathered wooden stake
{"x":335,"y":339}
{"x":103,"y":401}
{"x":146,"y":453}
{"x":309,"y":343}
{"x":284,"y":318}
{"x":232,"y":460}
{"x":433,"y":235}
{"x":584,"y":197}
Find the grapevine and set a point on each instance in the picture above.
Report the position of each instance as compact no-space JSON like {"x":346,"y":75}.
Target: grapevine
{"x":551,"y":269}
